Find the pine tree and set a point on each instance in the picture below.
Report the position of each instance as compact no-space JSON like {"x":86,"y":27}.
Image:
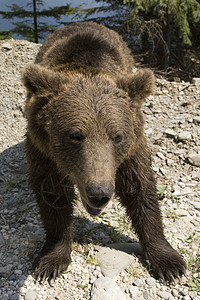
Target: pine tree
{"x":164,"y":22}
{"x":112,"y":14}
{"x":31,"y":28}
{"x":5,"y":35}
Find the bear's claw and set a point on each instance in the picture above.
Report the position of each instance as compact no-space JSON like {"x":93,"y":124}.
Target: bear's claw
{"x":51,"y":264}
{"x":51,"y":272}
{"x":165,"y":262}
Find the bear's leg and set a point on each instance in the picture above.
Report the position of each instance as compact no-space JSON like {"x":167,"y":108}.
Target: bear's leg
{"x":54,"y":196}
{"x":135,"y":185}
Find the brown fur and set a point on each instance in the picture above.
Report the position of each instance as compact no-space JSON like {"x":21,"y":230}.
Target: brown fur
{"x":85,"y":127}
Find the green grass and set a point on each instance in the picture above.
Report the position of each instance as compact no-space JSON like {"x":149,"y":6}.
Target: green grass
{"x":161,"y":188}
{"x":172,"y":215}
{"x":83,"y":286}
{"x":193,"y":262}
{"x":15,"y":183}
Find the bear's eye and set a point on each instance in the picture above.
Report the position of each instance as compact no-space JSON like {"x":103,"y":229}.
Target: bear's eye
{"x":118,"y":138}
{"x":76,"y":135}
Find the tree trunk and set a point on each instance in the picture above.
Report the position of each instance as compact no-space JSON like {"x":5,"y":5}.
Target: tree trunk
{"x":35,"y":21}
{"x":164,"y":46}
{"x":167,"y":37}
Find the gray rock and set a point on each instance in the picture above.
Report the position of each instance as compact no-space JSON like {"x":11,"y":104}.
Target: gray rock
{"x":7,"y":46}
{"x":170,"y":133}
{"x":14,"y":297}
{"x":184,"y":136}
{"x":5,"y":271}
{"x":146,"y":295}
{"x":160,"y":155}
{"x":2,"y":241}
{"x":30,"y":295}
{"x":18,"y":272}
{"x":138,"y":282}
{"x":151,"y":281}
{"x":195,"y":175}
{"x":179,"y":152}
{"x":194,"y":159}
{"x":184,"y":292}
{"x":196,"y":205}
{"x":175,"y":293}
{"x":164,"y":295}
{"x":181,"y":212}
{"x":196,"y":120}
{"x":12,"y":277}
{"x":105,"y":288}
{"x":196,"y":81}
{"x":134,"y":292}
{"x":149,"y":131}
{"x":187,"y":297}
{"x":112,"y":261}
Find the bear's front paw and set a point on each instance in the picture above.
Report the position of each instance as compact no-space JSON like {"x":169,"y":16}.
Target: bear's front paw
{"x":165,"y":262}
{"x":52,"y":261}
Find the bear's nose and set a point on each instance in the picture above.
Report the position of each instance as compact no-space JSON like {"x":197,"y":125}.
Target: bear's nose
{"x":99,"y":195}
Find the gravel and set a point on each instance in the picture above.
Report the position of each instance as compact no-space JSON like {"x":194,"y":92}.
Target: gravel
{"x":172,"y":127}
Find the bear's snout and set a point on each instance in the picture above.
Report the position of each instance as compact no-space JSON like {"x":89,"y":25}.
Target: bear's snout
{"x":99,"y":194}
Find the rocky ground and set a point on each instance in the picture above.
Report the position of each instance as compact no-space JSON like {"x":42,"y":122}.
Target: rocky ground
{"x":98,"y":270}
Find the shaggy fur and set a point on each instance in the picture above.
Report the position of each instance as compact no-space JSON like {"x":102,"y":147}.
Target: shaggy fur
{"x":85,"y":127}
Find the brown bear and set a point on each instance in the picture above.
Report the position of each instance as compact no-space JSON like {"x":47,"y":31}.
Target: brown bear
{"x":85,"y":128}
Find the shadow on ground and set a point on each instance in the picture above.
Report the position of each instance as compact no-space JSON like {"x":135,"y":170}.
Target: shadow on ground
{"x":21,"y":233}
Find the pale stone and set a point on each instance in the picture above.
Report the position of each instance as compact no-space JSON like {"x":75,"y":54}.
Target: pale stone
{"x":151,"y":281}
{"x":170,"y":133}
{"x":138,"y":282}
{"x":194,"y":159}
{"x":164,"y":295}
{"x":160,"y":155}
{"x":2,"y":241}
{"x":105,"y":288}
{"x":196,"y":81}
{"x":175,"y":293}
{"x":149,"y":131}
{"x":196,"y":120}
{"x":31,"y":295}
{"x":196,"y":205}
{"x":7,"y":46}
{"x":112,"y":261}
{"x":184,"y":135}
{"x":181,"y":212}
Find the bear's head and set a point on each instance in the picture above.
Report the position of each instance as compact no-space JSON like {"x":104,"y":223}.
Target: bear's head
{"x":87,"y":124}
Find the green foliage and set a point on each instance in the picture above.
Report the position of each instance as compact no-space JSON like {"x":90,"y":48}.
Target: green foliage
{"x":148,"y":266}
{"x":112,"y":14}
{"x":30,"y":27}
{"x":164,"y":33}
{"x":183,"y":12}
{"x":5,"y":35}
{"x":160,"y":31}
{"x":192,"y":238}
{"x":193,"y":284}
{"x":16,"y":183}
{"x":83,"y":286}
{"x":194,"y":264}
{"x":161,"y":189}
{"x":171,"y":214}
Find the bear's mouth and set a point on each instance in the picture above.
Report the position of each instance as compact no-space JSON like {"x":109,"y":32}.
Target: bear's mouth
{"x":92,"y":211}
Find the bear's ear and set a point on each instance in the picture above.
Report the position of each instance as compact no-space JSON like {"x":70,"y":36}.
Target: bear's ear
{"x":41,"y":81}
{"x":138,"y":85}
